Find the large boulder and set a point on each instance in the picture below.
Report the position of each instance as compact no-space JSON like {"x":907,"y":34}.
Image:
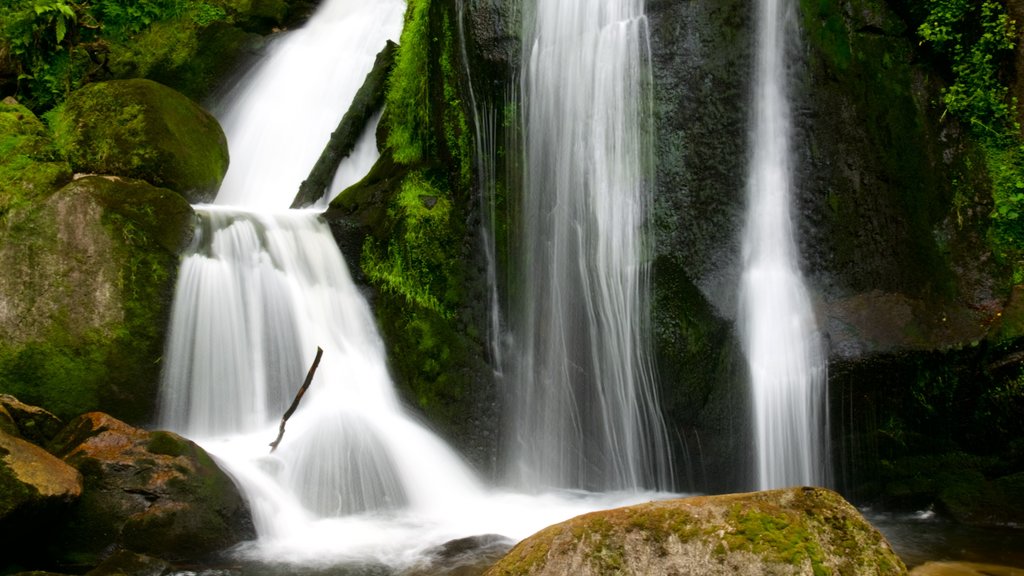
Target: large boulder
{"x":153,"y":493}
{"x":141,"y":129}
{"x":792,"y":531}
{"x":88,"y":277}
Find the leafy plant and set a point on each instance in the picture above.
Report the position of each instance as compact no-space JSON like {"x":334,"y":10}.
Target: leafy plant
{"x":978,"y":38}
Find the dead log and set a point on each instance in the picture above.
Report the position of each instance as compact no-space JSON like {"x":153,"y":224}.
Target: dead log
{"x":368,"y":100}
{"x":298,"y":398}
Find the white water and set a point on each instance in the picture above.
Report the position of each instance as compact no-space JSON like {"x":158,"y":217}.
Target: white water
{"x":784,"y":349}
{"x":355,"y":478}
{"x":585,"y":408}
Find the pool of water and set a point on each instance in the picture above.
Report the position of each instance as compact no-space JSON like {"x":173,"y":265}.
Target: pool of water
{"x":925,"y":536}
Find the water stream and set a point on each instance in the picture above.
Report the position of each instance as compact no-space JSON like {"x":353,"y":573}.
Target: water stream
{"x":356,"y":479}
{"x":784,"y":349}
{"x":584,"y":405}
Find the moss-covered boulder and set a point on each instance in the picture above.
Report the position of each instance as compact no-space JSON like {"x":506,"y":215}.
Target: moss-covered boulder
{"x":84,"y":299}
{"x":141,"y":129}
{"x":154,"y":493}
{"x":29,"y":163}
{"x":809,"y":531}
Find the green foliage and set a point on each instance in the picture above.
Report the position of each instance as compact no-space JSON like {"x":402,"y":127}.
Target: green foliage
{"x":978,"y":39}
{"x":408,"y":94}
{"x":61,"y":45}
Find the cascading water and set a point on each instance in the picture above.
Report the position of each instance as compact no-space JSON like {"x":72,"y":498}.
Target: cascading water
{"x":784,"y":349}
{"x":355,"y":478}
{"x":586,"y":411}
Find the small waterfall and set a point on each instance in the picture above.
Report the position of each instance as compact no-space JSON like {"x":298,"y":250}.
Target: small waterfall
{"x":263,"y":286}
{"x":585,"y":407}
{"x":784,"y":349}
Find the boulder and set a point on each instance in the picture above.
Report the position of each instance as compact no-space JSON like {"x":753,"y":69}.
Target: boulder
{"x":32,"y":480}
{"x":153,"y":493}
{"x":89,"y":274}
{"x":141,"y":129}
{"x":37,"y":490}
{"x":790,"y":531}
{"x":31,"y":422}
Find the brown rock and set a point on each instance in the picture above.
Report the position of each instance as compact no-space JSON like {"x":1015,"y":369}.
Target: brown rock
{"x":155,"y":493}
{"x":31,"y":479}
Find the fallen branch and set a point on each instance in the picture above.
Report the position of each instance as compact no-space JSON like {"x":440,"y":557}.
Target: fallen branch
{"x":368,"y":100}
{"x":298,"y":398}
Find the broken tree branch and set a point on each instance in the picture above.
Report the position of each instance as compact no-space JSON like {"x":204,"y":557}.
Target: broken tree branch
{"x":298,"y":398}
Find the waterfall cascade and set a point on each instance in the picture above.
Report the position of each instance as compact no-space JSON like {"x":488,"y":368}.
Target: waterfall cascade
{"x":585,"y":407}
{"x":355,"y":478}
{"x":784,"y":350}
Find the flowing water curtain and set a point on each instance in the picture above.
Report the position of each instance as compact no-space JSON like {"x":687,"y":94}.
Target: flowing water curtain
{"x":584,"y":399}
{"x":785,"y":353}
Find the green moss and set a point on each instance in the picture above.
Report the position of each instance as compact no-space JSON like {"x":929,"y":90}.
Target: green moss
{"x":408,"y":94}
{"x":141,"y":129}
{"x":774,"y":535}
{"x":29,"y":163}
{"x":825,"y":29}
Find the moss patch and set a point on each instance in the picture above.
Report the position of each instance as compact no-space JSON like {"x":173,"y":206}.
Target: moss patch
{"x":141,"y":129}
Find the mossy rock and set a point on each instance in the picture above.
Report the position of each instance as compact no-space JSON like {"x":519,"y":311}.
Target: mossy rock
{"x":89,"y":275}
{"x":188,"y":508}
{"x":191,"y":58}
{"x":809,"y":531}
{"x":141,"y":129}
{"x":29,"y":163}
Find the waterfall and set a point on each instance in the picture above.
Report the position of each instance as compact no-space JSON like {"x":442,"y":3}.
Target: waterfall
{"x":784,"y":351}
{"x":262,"y":287}
{"x":356,"y":479}
{"x":585,"y":410}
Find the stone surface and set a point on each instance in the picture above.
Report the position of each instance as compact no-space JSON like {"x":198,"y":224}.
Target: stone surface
{"x":964,"y":569}
{"x":153,"y":493}
{"x":126,"y":563}
{"x":141,"y":129}
{"x":791,"y":531}
{"x":32,"y":422}
{"x":32,"y":481}
{"x":89,"y":272}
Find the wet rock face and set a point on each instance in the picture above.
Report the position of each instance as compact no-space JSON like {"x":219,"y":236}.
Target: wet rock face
{"x":791,"y":531}
{"x":153,"y":493}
